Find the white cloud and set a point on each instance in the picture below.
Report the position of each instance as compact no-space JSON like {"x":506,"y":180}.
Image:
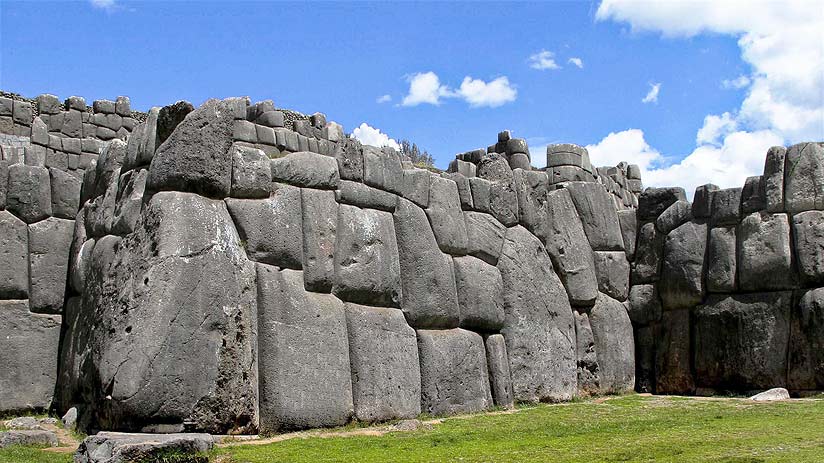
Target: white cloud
{"x":384,"y":99}
{"x":492,"y":94}
{"x":369,"y":135}
{"x":628,"y":145}
{"x":738,"y":82}
{"x":714,"y":128}
{"x":577,"y":62}
{"x":652,"y":95}
{"x":427,"y":88}
{"x":543,"y":60}
{"x":103,"y":4}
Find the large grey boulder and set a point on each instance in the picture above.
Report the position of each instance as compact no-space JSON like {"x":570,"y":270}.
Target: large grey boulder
{"x":14,"y":261}
{"x":614,"y":347}
{"x":804,"y":178}
{"x":646,"y":268}
{"x":29,"y":192}
{"x":49,"y":245}
{"x":485,"y":236}
{"x":538,"y":323}
{"x":320,"y":224}
{"x":771,"y":395}
{"x":251,"y":172}
{"x":444,"y":213}
{"x":499,"y":377}
{"x":28,"y":352}
{"x":503,"y":202}
{"x":721,"y":260}
{"x":464,"y":191}
{"x":644,"y":304}
{"x":741,"y":341}
{"x":752,"y":195}
{"x":495,"y":168}
{"x":270,"y":229}
{"x":808,"y":231}
{"x":99,"y":213}
{"x":531,"y":188}
{"x":628,"y":218}
{"x":765,"y":253}
{"x":303,"y":355}
{"x":644,"y":339}
{"x":673,"y":373}
{"x":382,"y":169}
{"x":383,"y":352}
{"x":480,"y":294}
{"x":568,"y":248}
{"x":173,"y":333}
{"x":196,"y":155}
{"x":367,"y":269}
{"x":682,"y":271}
{"x":806,"y":359}
{"x":726,"y":206}
{"x":306,"y":169}
{"x":169,"y":117}
{"x":130,"y":197}
{"x":4,"y":181}
{"x":65,"y":194}
{"x":612,"y":270}
{"x":429,"y":296}
{"x":702,"y":201}
{"x":349,"y":156}
{"x":774,"y":178}
{"x":362,"y":195}
{"x":674,"y":216}
{"x":119,"y":447}
{"x":39,"y":438}
{"x":109,"y":165}
{"x":589,"y":381}
{"x":598,"y":215}
{"x":654,"y":201}
{"x":416,"y":186}
{"x":454,"y":374}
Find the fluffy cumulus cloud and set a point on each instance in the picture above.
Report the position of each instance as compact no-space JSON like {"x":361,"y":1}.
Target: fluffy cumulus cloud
{"x":543,"y":60}
{"x":384,"y":99}
{"x":369,"y":135}
{"x":426,"y":87}
{"x":576,"y":62}
{"x":784,"y":102}
{"x":652,"y":94}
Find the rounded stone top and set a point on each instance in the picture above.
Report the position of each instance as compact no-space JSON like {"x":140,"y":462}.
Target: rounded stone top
{"x":566,"y":148}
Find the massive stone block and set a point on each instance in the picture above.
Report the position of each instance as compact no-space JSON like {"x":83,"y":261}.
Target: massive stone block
{"x":28,"y":353}
{"x":29,"y":192}
{"x":132,"y":187}
{"x":349,"y":155}
{"x":644,"y":304}
{"x":320,"y":224}
{"x":568,"y":248}
{"x":753,"y":197}
{"x":531,"y":188}
{"x":644,"y":339}
{"x":270,"y":229}
{"x":741,"y":341}
{"x":538,"y":326}
{"x":367,"y":269}
{"x":806,"y":359}
{"x":480,"y":294}
{"x":252,"y":172}
{"x":674,"y":216}
{"x":306,"y":169}
{"x":598,"y":215}
{"x":49,"y":244}
{"x":702,"y":201}
{"x":628,"y":219}
{"x":765,"y":253}
{"x":444,"y":213}
{"x":774,"y":178}
{"x":804,"y":178}
{"x":383,"y":352}
{"x":65,"y":194}
{"x":721,"y":260}
{"x":196,"y":155}
{"x":653,"y":201}
{"x":429,"y":296}
{"x":726,"y":206}
{"x":14,"y":261}
{"x":673,"y":374}
{"x":499,"y":377}
{"x":362,"y":195}
{"x":808,"y":231}
{"x":454,"y":373}
{"x":382,"y":169}
{"x":485,"y":236}
{"x":612,"y":270}
{"x":648,"y":254}
{"x":303,"y":355}
{"x":682,"y":272}
{"x":614,"y":347}
{"x":589,"y":374}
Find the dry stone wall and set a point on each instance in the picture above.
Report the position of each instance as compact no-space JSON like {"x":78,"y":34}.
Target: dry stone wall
{"x":237,"y":269}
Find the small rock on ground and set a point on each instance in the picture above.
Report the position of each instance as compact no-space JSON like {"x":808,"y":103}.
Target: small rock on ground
{"x":778,"y":393}
{"x":28,"y":437}
{"x":117,"y":447}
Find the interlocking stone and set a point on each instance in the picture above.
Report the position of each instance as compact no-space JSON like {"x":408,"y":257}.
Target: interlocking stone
{"x":49,"y":245}
{"x":119,"y":447}
{"x":480,"y":294}
{"x":14,"y":262}
{"x":804,"y":178}
{"x":614,"y":347}
{"x":806,"y":357}
{"x":721,"y":260}
{"x":682,"y":271}
{"x":628,"y":220}
{"x":485,"y":236}
{"x":753,"y":196}
{"x":765,"y":253}
{"x":29,"y":192}
{"x":644,"y":304}
{"x":589,"y":381}
{"x":612,"y":271}
{"x":774,"y":178}
{"x":654,"y":201}
{"x":598,"y":216}
{"x":251,"y":172}
{"x":306,"y":169}
{"x":499,"y":376}
{"x":808,"y":231}
{"x":673,"y":374}
{"x":320,"y":224}
{"x":674,"y":216}
{"x":444,"y":213}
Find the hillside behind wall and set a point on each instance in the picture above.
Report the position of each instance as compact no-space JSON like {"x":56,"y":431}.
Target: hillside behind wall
{"x":237,"y":268}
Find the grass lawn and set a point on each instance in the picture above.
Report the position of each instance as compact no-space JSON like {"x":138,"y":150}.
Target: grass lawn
{"x":631,"y":428}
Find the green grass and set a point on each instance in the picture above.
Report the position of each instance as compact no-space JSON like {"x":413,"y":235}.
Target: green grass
{"x":632,"y":428}
{"x":18,"y":454}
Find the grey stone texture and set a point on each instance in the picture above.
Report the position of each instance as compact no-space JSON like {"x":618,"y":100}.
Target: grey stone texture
{"x":429,"y":298}
{"x":682,"y":271}
{"x":382,"y":169}
{"x":500,"y":380}
{"x":485,"y":236}
{"x":804,"y":178}
{"x":130,"y":198}
{"x":806,"y":356}
{"x":644,"y":304}
{"x":722,"y":276}
{"x":362,"y":195}
{"x":614,"y":346}
{"x":37,"y":438}
{"x":65,"y":194}
{"x":480,"y":294}
{"x":444,"y":213}
{"x":306,"y":169}
{"x":303,"y":355}
{"x":673,"y":374}
{"x":644,"y":338}
{"x":416,"y":186}
{"x":598,"y":215}
{"x":118,"y":447}
{"x":14,"y":260}
{"x":383,"y":353}
{"x":169,"y":117}
{"x":774,"y":178}
{"x":628,"y":219}
{"x":367,"y":268}
{"x":654,"y":201}
{"x":808,"y":234}
{"x":726,"y":206}
{"x":349,"y":155}
{"x":538,"y":323}
{"x":531,"y":189}
{"x":49,"y":245}
{"x":589,"y":373}
{"x":674,"y":216}
{"x":765,"y":253}
{"x":454,"y":372}
{"x":753,"y":197}
{"x":29,"y":192}
{"x":612,"y":271}
{"x":320,"y":224}
{"x":251,"y":172}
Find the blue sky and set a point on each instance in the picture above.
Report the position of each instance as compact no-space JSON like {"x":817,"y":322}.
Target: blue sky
{"x":341,"y":58}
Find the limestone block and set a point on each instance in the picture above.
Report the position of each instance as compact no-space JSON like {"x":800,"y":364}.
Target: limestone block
{"x":538,"y":323}
{"x":349,"y":155}
{"x":589,"y":381}
{"x":702,"y":201}
{"x":6,"y":106}
{"x":196,"y":155}
{"x":503,"y":202}
{"x":531,"y":189}
{"x":4,"y":182}
{"x":456,"y":166}
{"x":429,"y":294}
{"x":28,"y":353}
{"x":752,"y":195}
{"x":774,"y":178}
{"x":612,"y":271}
{"x":806,"y":359}
{"x":103,"y":106}
{"x":56,"y":158}
{"x":741,"y":341}
{"x":644,"y":304}
{"x":382,"y":169}
{"x":49,"y":245}
{"x":804,"y":178}
{"x":654,"y":201}
{"x":22,"y":112}
{"x":598,"y":216}
{"x":320,"y":223}
{"x":383,"y":352}
{"x":132,"y":188}
{"x":569,"y":249}
{"x":270,"y":119}
{"x":167,"y":119}
{"x":303,"y":351}
{"x":105,"y":133}
{"x":721,"y":263}
{"x":306,"y":169}
{"x":645,"y":359}
{"x":629,"y":230}
{"x":614,"y":346}
{"x":366,"y":257}
{"x":485,"y":236}
{"x":111,"y":447}
{"x":674,"y":216}
{"x":808,"y":230}
{"x":726,"y":206}
{"x":99,"y":213}
{"x":499,"y":376}
{"x":519,"y":161}
{"x":270,"y":229}
{"x":72,"y":145}
{"x":444,"y":213}
{"x":564,"y":154}
{"x":648,"y":254}
{"x":65,"y":194}
{"x":516,"y":145}
{"x":480,"y":189}
{"x":29,"y":192}
{"x":765,"y":253}
{"x":14,"y":261}
{"x":416,"y":185}
{"x":7,"y":125}
{"x":480,"y":294}
{"x":362,"y":195}
{"x":560,"y":174}
{"x":682,"y":271}
{"x":251,"y":172}
{"x":39,"y":132}
{"x":72,"y":124}
{"x":79,"y":264}
{"x":633,"y":172}
{"x":495,"y":168}
{"x":464,"y":190}
{"x":244,"y":131}
{"x":673,"y":374}
{"x":454,"y":373}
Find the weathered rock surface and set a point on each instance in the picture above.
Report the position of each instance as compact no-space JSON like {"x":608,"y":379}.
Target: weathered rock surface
{"x":127,"y":208}
{"x":644,"y":340}
{"x":444,"y":213}
{"x":674,"y":216}
{"x":49,"y":245}
{"x":774,"y":178}
{"x":614,"y":347}
{"x":251,"y":172}
{"x":673,"y":374}
{"x":629,"y":230}
{"x":644,"y":304}
{"x":648,"y":254}
{"x":485,"y":236}
{"x":721,"y":260}
{"x":28,"y":438}
{"x":702,"y":201}
{"x":726,"y":206}
{"x":29,"y":192}
{"x":589,"y":374}
{"x":362,"y":195}
{"x":654,"y":201}
{"x":531,"y":188}
{"x":682,"y":272}
{"x":306,"y":169}
{"x":499,"y":377}
{"x":804,"y":178}
{"x":752,"y":195}
{"x":14,"y":261}
{"x":808,"y":234}
{"x":806,"y":359}
{"x":598,"y":215}
{"x":320,"y":224}
{"x":771,"y":395}
{"x":118,"y":447}
{"x":612,"y":270}
{"x":764,"y":253}
{"x":480,"y":294}
{"x":65,"y":194}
